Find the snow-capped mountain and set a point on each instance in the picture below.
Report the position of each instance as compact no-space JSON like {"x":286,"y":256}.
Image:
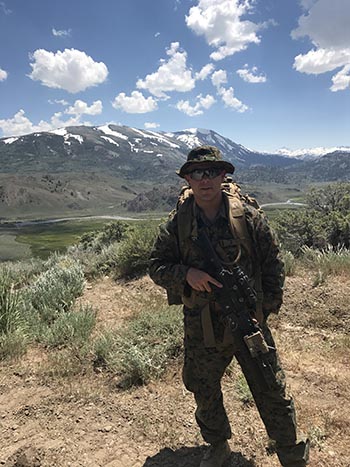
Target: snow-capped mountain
{"x":89,"y":170}
{"x":311,"y":153}
{"x":124,"y":150}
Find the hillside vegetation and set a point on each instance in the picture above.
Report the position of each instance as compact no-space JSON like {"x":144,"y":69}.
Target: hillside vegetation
{"x":91,"y":353}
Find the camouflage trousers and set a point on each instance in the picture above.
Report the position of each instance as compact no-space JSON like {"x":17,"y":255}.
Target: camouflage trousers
{"x":202,"y":373}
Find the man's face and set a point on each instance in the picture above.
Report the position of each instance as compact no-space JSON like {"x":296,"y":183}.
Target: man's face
{"x":207,"y":188}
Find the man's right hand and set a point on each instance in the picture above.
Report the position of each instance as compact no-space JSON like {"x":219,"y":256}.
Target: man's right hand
{"x":200,"y":280}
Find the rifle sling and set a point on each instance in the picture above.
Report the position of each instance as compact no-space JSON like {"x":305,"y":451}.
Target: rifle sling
{"x":207,"y":308}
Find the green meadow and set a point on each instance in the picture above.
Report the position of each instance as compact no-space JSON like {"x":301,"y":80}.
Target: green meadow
{"x":41,"y":239}
{"x":20,"y":241}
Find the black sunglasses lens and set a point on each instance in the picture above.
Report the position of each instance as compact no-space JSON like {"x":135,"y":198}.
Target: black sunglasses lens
{"x":198,"y":174}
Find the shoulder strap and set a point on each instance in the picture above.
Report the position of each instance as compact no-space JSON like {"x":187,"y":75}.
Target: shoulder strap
{"x":237,"y":220}
{"x":186,"y":225}
{"x":238,"y":225}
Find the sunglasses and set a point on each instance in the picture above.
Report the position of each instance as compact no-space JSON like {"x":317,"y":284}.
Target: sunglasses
{"x":198,"y":174}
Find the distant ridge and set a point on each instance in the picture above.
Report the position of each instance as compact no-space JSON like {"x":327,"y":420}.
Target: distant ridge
{"x":90,"y":169}
{"x":127,"y":151}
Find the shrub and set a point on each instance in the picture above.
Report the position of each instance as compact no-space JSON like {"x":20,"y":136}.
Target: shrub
{"x":56,"y":289}
{"x":72,"y":328}
{"x":327,"y":261}
{"x":10,"y":312}
{"x":22,"y":272}
{"x":95,"y":263}
{"x":13,"y":336}
{"x":142,"y":349}
{"x":326,"y":221}
{"x":13,"y":344}
{"x":289,"y":263}
{"x":134,"y":251}
{"x":110,"y":233}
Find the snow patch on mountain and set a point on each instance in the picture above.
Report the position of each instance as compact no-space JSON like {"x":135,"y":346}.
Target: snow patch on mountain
{"x":311,"y":153}
{"x":9,"y":140}
{"x":110,"y":140}
{"x":190,"y":140}
{"x":107,"y":131}
{"x":156,"y":136}
{"x":66,"y":135}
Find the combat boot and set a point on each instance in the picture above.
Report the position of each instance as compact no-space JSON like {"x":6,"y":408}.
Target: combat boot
{"x":216,"y":455}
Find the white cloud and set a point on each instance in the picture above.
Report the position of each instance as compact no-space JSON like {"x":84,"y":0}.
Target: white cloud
{"x":71,"y":70}
{"x":204,"y":72}
{"x":197,"y":109}
{"x":227,"y":94}
{"x":137,"y":103}
{"x":151,"y":125}
{"x":172,"y":75}
{"x":341,"y":80}
{"x":3,"y":74}
{"x":81,"y":107}
{"x":230,"y":100}
{"x":327,"y":26}
{"x":19,"y":124}
{"x":4,"y":8}
{"x":61,"y":32}
{"x":251,"y":76}
{"x":218,"y":78}
{"x":59,"y":101}
{"x":221,"y":23}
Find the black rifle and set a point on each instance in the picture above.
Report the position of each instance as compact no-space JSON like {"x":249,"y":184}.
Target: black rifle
{"x":238,"y":303}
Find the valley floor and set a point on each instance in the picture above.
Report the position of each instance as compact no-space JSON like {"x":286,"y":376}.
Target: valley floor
{"x":84,"y":419}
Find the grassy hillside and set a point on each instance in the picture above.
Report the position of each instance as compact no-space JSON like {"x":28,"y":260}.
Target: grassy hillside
{"x":65,"y":401}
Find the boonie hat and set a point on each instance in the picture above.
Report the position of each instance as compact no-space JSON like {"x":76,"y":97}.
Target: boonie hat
{"x":203,"y":154}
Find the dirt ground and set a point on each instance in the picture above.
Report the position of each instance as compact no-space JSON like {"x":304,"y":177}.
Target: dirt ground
{"x":87,"y":420}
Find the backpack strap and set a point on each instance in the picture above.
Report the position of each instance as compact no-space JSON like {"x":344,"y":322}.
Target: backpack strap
{"x":237,"y":221}
{"x":238,"y":225}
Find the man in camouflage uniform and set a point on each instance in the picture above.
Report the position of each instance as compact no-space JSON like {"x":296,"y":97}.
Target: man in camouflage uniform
{"x":179,"y":265}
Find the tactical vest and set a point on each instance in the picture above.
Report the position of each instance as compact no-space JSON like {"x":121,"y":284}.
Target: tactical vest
{"x":232,"y":197}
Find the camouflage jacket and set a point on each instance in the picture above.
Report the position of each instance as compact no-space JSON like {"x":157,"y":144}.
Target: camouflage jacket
{"x":168,"y":265}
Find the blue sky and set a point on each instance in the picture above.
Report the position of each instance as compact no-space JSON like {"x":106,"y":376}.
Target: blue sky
{"x":266,"y":73}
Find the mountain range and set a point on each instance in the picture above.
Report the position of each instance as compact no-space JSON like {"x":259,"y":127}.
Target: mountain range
{"x":86,"y":168}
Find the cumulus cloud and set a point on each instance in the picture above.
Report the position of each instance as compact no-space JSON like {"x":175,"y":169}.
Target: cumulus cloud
{"x":221,"y":23}
{"x":19,"y":124}
{"x":172,"y":75}
{"x":71,"y":70}
{"x":204,"y":72}
{"x":137,"y":103}
{"x":231,"y":101}
{"x":202,"y":103}
{"x":61,"y":32}
{"x":251,"y":76}
{"x":341,"y":80}
{"x":151,"y":125}
{"x":81,"y":107}
{"x":326,"y":24}
{"x":3,"y":74}
{"x":219,"y":78}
